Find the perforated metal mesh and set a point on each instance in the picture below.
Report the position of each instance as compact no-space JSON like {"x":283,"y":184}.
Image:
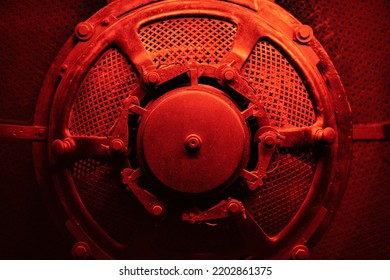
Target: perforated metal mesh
{"x":114,"y":208}
{"x":361,"y":228}
{"x":356,"y":35}
{"x":276,"y":203}
{"x":32,"y":33}
{"x":100,"y":96}
{"x":185,"y":40}
{"x":279,"y":87}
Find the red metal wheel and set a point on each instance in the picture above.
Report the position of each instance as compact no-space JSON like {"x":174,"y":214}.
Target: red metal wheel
{"x":194,"y":129}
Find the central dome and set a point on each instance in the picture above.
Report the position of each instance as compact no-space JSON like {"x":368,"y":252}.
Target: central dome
{"x":193,"y":140}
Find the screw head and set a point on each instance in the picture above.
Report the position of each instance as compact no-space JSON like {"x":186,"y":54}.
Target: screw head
{"x":269,"y":141}
{"x":153,"y":78}
{"x":304,"y":34}
{"x":157,"y":210}
{"x":229,"y":75}
{"x":193,"y":142}
{"x":84,"y":31}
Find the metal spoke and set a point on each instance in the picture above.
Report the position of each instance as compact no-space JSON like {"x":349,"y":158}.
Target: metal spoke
{"x":303,"y":137}
{"x":245,"y":41}
{"x":130,"y":44}
{"x":78,"y":147}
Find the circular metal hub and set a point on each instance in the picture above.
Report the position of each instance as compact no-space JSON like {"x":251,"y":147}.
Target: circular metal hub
{"x":193,"y":140}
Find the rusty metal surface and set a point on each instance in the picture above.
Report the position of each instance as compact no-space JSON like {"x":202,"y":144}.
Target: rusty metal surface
{"x":373,"y":131}
{"x":37,"y":133}
{"x":183,"y":57}
{"x":333,"y":22}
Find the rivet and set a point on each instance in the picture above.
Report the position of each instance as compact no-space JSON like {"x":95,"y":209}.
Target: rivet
{"x":64,"y":67}
{"x":300,"y":252}
{"x":234,"y":207}
{"x":81,"y":250}
{"x":106,"y":22}
{"x":157,"y":210}
{"x":41,"y":132}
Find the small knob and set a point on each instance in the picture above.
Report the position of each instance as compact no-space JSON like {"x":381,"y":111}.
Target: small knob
{"x":193,"y":143}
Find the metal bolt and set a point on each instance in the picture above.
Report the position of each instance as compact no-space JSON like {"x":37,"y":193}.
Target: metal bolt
{"x":300,"y":252}
{"x":269,"y":141}
{"x":117,"y":145}
{"x":157,"y":210}
{"x":80,"y":250}
{"x":234,"y":207}
{"x":304,"y":34}
{"x":228,"y":75}
{"x":193,"y":143}
{"x":62,"y":147}
{"x":153,"y":78}
{"x":84,"y":31}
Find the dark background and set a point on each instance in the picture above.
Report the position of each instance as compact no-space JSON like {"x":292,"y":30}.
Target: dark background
{"x":356,"y":36}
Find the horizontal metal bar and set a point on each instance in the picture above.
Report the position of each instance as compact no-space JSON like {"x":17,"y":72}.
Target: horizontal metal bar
{"x":37,"y":133}
{"x":372,"y":131}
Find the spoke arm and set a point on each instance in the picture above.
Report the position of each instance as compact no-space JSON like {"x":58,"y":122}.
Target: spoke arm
{"x":302,"y":137}
{"x":246,"y":39}
{"x":130,"y":44}
{"x":148,"y":200}
{"x":78,"y":147}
